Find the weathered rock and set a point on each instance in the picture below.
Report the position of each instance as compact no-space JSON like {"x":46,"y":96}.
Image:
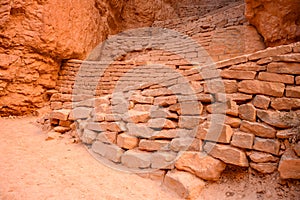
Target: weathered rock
{"x":137,"y":116}
{"x":259,"y":129}
{"x":200,"y":164}
{"x":292,"y":91}
{"x":262,"y":157}
{"x":186,"y":185}
{"x":227,"y":154}
{"x":191,"y":108}
{"x":289,"y":166}
{"x":215,"y":132}
{"x":169,"y":133}
{"x":285,"y":103}
{"x":107,"y":137}
{"x":111,"y":152}
{"x":163,"y":113}
{"x":61,"y":129}
{"x":273,"y":77}
{"x":261,"y":101}
{"x":88,"y":136}
{"x":163,"y":160}
{"x":165,"y":101}
{"x":157,"y":92}
{"x":81,"y":113}
{"x":242,"y":140}
{"x":275,"y":21}
{"x":262,"y":87}
{"x":275,"y":118}
{"x":60,"y":114}
{"x":265,"y":168}
{"x":267,"y":145}
{"x":234,"y":74}
{"x":141,"y":99}
{"x":283,"y":68}
{"x":159,"y":123}
{"x":127,"y":141}
{"x":189,"y":122}
{"x":139,"y":130}
{"x":287,"y":133}
{"x":154,"y":145}
{"x":230,"y":108}
{"x":247,"y":112}
{"x":249,"y":66}
{"x":183,"y":144}
{"x":226,"y":86}
{"x":157,"y":175}
{"x":136,"y":159}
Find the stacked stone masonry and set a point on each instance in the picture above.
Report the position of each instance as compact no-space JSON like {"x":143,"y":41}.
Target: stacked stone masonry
{"x":244,"y":111}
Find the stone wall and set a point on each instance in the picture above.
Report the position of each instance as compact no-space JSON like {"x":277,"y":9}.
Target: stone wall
{"x":243,"y":111}
{"x":224,"y":33}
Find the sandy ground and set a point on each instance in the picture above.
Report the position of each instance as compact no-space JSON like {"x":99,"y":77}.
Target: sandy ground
{"x":32,"y":167}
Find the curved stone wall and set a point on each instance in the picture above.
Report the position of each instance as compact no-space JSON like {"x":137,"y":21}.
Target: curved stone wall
{"x":187,"y":122}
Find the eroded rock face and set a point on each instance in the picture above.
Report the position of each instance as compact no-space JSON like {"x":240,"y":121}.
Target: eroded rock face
{"x":277,"y":21}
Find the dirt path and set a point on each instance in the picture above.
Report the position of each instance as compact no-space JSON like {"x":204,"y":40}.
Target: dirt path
{"x":33,"y":168}
{"x":36,"y":169}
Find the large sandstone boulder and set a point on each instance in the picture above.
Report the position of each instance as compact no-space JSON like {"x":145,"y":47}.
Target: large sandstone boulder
{"x":277,"y":21}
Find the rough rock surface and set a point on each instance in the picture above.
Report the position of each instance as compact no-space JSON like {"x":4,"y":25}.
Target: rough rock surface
{"x":277,"y":21}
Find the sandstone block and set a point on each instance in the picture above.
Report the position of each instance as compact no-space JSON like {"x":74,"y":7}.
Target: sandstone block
{"x":227,"y":154}
{"x":259,"y":129}
{"x":229,"y":107}
{"x":157,"y":92}
{"x":206,"y":98}
{"x":191,"y":108}
{"x":292,"y":57}
{"x":189,"y":122}
{"x":247,"y":112}
{"x":270,"y":52}
{"x":95,"y":126}
{"x":289,"y":166}
{"x":60,"y":114}
{"x":283,"y":68}
{"x":274,"y":118}
{"x":265,"y":168}
{"x":142,"y":107}
{"x":232,"y":121}
{"x":137,"y":116}
{"x":56,"y":105}
{"x":267,"y":145}
{"x":165,"y":100}
{"x":141,"y":99}
{"x":236,"y":97}
{"x":215,"y":132}
{"x":163,"y":160}
{"x":201,"y":165}
{"x":292,"y":91}
{"x":261,"y":101}
{"x":81,"y":113}
{"x":225,"y":86}
{"x":248,"y":66}
{"x":182,"y":89}
{"x":159,"y":123}
{"x":240,"y":75}
{"x":242,"y":140}
{"x":182,"y":144}
{"x":111,"y":152}
{"x":107,"y":137}
{"x":262,"y":157}
{"x":261,"y":87}
{"x":139,"y":130}
{"x":157,"y":175}
{"x":112,"y":117}
{"x":136,"y":159}
{"x":163,"y":113}
{"x":186,"y":185}
{"x":285,"y":103}
{"x":127,"y":141}
{"x":273,"y":77}
{"x":172,"y":133}
{"x":154,"y":145}
{"x":99,"y":117}
{"x":287,"y":133}
{"x":88,"y":136}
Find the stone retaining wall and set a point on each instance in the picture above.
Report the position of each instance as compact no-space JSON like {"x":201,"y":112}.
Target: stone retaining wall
{"x":244,"y":111}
